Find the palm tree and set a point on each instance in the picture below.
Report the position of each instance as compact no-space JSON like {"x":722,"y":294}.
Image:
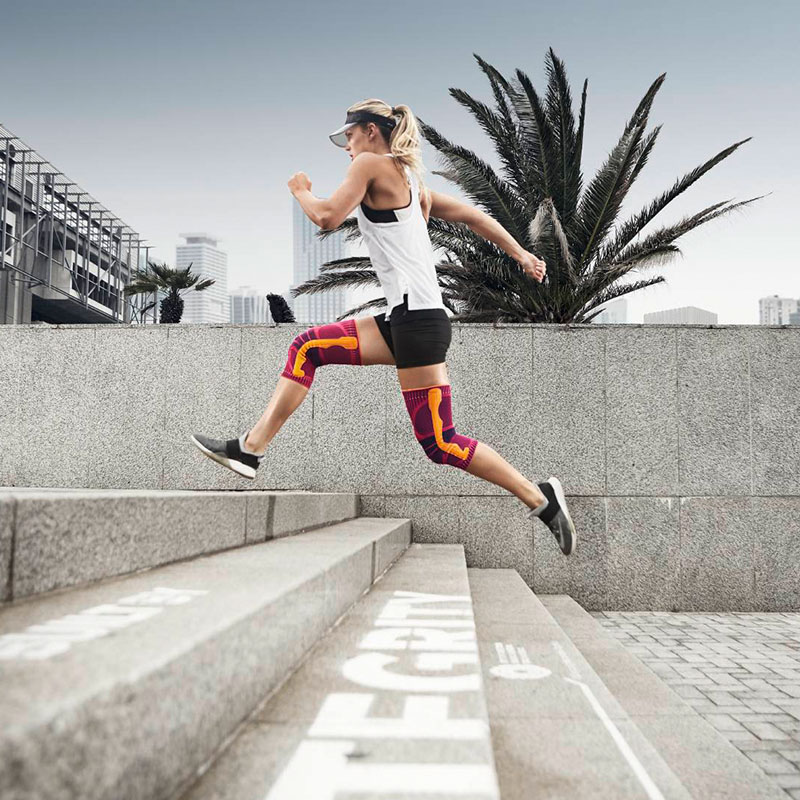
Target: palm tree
{"x":541,"y":201}
{"x":161,"y":276}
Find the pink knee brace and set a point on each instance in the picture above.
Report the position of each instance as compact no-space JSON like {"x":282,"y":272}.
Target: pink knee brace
{"x":332,"y":343}
{"x":432,"y":417}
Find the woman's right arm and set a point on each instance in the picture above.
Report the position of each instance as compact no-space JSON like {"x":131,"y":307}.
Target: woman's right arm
{"x":442,"y":206}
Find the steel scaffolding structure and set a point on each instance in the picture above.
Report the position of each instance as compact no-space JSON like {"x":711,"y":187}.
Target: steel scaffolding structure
{"x":66,"y":247}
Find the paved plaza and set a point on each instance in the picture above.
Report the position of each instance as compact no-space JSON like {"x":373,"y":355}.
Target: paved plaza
{"x":740,"y":671}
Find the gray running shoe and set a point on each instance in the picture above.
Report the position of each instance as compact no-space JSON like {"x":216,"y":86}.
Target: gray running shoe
{"x":230,"y":454}
{"x":555,"y":515}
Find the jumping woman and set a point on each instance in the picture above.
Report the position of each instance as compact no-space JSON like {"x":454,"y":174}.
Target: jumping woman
{"x":383,"y":185}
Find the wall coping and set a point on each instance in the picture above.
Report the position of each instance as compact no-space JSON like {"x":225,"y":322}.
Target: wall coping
{"x":545,"y":325}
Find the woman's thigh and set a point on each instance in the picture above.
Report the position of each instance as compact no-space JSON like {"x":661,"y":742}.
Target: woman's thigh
{"x":371,"y":343}
{"x":423,"y":377}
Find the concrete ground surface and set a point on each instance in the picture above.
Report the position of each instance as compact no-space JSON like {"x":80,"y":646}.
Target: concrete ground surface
{"x":739,"y":671}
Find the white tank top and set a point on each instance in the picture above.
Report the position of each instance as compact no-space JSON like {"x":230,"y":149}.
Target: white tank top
{"x":401,"y":252}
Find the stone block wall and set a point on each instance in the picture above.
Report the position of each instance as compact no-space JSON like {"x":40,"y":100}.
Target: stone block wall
{"x":677,"y":445}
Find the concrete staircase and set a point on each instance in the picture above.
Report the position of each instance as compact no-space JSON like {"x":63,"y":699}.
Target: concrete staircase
{"x":123,"y":685}
{"x":279,"y":646}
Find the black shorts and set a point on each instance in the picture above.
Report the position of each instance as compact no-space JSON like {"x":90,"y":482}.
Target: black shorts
{"x":416,"y":338}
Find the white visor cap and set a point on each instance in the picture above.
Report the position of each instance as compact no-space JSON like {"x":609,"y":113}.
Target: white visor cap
{"x":339,"y":137}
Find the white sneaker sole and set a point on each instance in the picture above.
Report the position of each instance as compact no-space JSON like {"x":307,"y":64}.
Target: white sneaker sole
{"x":562,"y":501}
{"x":235,"y":466}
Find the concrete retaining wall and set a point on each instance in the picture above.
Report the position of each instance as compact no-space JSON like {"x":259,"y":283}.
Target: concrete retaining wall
{"x":679,"y":446}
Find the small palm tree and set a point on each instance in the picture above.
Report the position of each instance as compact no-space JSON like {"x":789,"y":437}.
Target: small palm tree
{"x":541,"y":201}
{"x":161,"y":276}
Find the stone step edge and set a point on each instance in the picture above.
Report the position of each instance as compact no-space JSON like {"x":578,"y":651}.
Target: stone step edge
{"x":39,"y":521}
{"x":707,"y":764}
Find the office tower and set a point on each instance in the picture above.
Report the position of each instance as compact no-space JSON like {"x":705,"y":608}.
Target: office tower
{"x":614,"y":312}
{"x":249,"y":305}
{"x":686,"y":315}
{"x":65,"y":257}
{"x":775,"y":310}
{"x":309,"y":253}
{"x":212,"y":304}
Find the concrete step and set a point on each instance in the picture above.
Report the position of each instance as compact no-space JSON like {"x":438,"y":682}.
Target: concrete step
{"x":557,"y":730}
{"x":707,"y":764}
{"x":123,"y":689}
{"x":54,"y":538}
{"x":389,"y":704}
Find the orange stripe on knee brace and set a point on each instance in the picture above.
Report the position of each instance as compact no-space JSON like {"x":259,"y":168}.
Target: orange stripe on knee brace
{"x":434,"y":400}
{"x":347,"y":342}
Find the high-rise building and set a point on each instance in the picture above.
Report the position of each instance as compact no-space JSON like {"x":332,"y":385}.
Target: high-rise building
{"x":686,"y":315}
{"x":212,"y":304}
{"x":249,"y":305}
{"x":775,"y":310}
{"x":310,"y":252}
{"x":614,"y":312}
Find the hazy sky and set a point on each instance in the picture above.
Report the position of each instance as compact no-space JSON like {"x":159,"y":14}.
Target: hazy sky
{"x":191,"y":116}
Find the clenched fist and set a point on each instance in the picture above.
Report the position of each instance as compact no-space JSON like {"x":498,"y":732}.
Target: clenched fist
{"x":533,"y":266}
{"x":299,"y":181}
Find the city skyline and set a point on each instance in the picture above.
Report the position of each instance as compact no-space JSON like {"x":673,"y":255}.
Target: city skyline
{"x":212,"y":112}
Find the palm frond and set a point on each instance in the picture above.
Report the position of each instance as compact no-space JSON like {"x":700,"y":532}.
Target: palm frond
{"x":658,"y":254}
{"x":558,"y":106}
{"x":645,"y":104}
{"x":604,"y":195}
{"x":614,"y":292}
{"x":667,"y":234}
{"x":337,"y":280}
{"x":538,"y":136}
{"x":579,"y":144}
{"x":503,"y":134}
{"x":349,"y":262}
{"x":349,"y":228}
{"x":370,"y":305}
{"x":633,"y":226}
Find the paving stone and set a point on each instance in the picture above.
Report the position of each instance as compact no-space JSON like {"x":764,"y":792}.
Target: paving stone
{"x":764,"y":730}
{"x":734,"y":711}
{"x":721,"y":698}
{"x":687,"y":691}
{"x":772,"y":745}
{"x":747,"y":716}
{"x":739,"y":736}
{"x":724,"y":722}
{"x":761,"y":706}
{"x":771,"y":762}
